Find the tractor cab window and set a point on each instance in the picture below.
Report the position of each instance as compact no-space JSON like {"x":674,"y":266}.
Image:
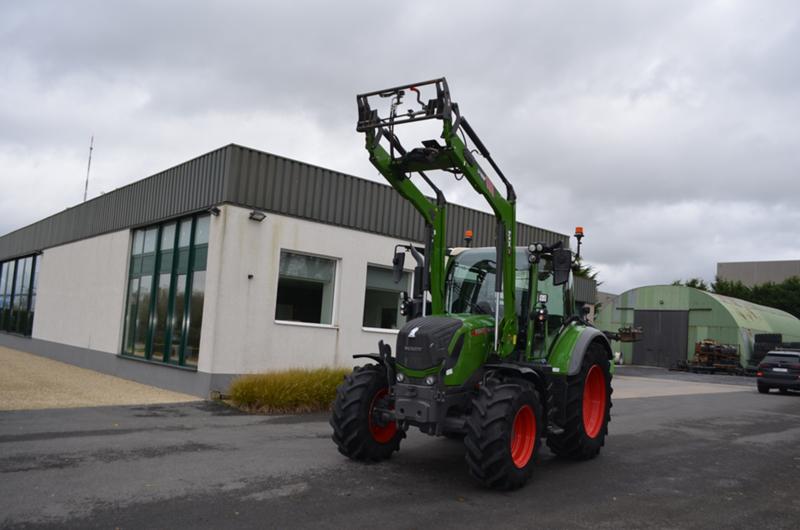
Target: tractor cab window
{"x":555,"y":293}
{"x":470,"y":284}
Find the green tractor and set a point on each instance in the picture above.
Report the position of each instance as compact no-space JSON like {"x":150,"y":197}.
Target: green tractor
{"x":494,"y":350}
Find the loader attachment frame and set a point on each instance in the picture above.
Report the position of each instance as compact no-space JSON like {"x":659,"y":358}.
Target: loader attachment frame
{"x":397,"y":163}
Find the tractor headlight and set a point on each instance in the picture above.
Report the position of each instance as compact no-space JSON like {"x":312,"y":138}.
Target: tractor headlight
{"x":400,"y":377}
{"x":430,"y":380}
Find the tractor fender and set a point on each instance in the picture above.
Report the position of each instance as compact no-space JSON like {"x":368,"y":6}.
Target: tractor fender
{"x":374,"y":356}
{"x":519,"y":370}
{"x":529,"y":374}
{"x":586,"y":338}
{"x":384,"y":359}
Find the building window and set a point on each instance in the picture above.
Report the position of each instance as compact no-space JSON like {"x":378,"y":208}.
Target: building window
{"x":382,"y":298}
{"x":168,"y":261}
{"x":18,"y":295}
{"x":305,"y":288}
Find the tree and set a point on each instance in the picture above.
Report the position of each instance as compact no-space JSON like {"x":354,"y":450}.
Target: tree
{"x":784,"y":295}
{"x":697,"y":283}
{"x":734,"y":289}
{"x":581,"y":270}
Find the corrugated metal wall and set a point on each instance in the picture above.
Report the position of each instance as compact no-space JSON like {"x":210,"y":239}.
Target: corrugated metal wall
{"x":287,"y":187}
{"x":246,"y":177}
{"x":585,"y":290}
{"x":753,"y":273}
{"x":276,"y":184}
{"x":188,"y":187}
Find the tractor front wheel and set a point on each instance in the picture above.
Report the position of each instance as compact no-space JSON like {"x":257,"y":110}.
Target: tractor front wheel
{"x":359,"y":430}
{"x":588,"y":409}
{"x":503,"y":434}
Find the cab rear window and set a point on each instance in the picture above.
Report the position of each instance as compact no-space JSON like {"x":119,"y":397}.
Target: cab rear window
{"x":782,"y":357}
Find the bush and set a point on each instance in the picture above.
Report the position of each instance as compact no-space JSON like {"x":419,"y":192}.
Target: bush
{"x":287,"y":392}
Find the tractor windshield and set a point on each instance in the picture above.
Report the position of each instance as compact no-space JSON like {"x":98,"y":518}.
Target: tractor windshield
{"x":470,"y":283}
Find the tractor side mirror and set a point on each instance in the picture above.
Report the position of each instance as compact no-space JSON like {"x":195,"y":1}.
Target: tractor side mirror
{"x":562,"y":265}
{"x":397,"y":266}
{"x":419,"y":272}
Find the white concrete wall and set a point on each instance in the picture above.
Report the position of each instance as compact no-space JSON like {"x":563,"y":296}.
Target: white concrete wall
{"x":240,"y":334}
{"x":81,"y":292}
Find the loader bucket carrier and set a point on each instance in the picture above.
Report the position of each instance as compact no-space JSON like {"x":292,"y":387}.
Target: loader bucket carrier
{"x":494,"y":351}
{"x":452,"y":156}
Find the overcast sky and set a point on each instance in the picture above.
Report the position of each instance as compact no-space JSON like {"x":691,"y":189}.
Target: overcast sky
{"x":669,"y":130}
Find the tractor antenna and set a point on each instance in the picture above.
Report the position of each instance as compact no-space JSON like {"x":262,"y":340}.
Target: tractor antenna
{"x":88,"y":168}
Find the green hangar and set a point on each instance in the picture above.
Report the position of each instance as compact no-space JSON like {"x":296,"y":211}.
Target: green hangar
{"x":674,"y":318}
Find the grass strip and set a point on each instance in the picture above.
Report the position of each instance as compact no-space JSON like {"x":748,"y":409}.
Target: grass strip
{"x":287,"y":392}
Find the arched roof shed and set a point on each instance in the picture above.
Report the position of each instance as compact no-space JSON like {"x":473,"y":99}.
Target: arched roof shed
{"x":675,"y":317}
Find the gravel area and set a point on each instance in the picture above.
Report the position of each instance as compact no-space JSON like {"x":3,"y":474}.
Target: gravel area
{"x":31,"y":382}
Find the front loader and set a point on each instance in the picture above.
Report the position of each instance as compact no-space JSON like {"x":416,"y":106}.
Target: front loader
{"x":495,"y":350}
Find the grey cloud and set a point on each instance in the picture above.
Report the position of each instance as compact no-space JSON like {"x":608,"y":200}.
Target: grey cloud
{"x":632,"y":118}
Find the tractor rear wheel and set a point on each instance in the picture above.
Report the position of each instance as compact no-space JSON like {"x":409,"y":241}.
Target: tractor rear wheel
{"x":358,"y":430}
{"x":588,"y":409}
{"x":503,"y":434}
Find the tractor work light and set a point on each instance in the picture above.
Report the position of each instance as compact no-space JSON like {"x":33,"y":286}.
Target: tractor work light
{"x":400,"y":377}
{"x":535,"y":247}
{"x":430,"y":380}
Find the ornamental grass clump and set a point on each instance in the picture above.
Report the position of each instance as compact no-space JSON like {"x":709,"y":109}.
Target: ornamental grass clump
{"x":287,"y":392}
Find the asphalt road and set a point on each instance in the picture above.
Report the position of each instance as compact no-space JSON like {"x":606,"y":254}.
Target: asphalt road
{"x":714,"y":460}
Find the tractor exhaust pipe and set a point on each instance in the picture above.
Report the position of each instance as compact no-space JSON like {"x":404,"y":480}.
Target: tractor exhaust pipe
{"x":498,"y":280}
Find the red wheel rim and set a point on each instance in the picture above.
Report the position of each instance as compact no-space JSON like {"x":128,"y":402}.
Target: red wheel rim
{"x":523,"y":436}
{"x":380,"y":433}
{"x":594,"y":401}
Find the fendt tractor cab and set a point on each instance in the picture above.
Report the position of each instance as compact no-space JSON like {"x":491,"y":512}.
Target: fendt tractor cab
{"x":495,"y":350}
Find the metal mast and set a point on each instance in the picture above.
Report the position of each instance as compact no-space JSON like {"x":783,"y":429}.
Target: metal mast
{"x":88,"y":168}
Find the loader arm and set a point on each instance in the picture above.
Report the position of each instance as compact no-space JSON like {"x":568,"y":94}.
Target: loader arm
{"x":506,"y":329}
{"x":433,"y":212}
{"x":454,"y":157}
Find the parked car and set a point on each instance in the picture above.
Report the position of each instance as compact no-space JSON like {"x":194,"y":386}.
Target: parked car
{"x":779,"y":369}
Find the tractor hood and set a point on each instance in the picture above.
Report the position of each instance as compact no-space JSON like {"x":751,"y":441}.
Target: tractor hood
{"x":453,"y":342}
{"x":424,"y":342}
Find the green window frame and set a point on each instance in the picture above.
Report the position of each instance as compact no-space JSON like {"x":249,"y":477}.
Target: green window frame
{"x":165,"y":291}
{"x":18,"y":281}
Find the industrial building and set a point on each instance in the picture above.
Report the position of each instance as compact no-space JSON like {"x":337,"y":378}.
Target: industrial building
{"x":752,"y":273}
{"x":674,"y":318}
{"x":235,"y":262}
